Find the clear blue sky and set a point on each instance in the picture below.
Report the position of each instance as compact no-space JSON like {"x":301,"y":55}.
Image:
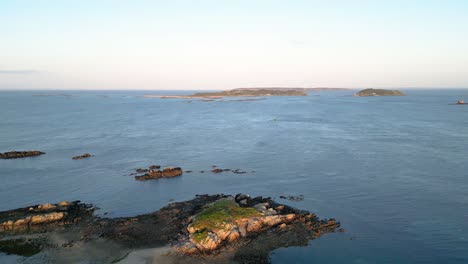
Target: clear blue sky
{"x":221,"y":44}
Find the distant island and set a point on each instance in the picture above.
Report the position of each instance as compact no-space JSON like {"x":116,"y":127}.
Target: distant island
{"x":379,"y":92}
{"x":255,"y":92}
{"x":249,"y":92}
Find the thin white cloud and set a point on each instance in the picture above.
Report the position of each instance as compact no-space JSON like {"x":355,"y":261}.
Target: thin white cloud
{"x":19,"y":72}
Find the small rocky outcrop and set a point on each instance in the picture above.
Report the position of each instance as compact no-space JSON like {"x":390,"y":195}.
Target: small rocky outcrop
{"x":379,"y":92}
{"x":84,"y":156}
{"x":219,"y":170}
{"x":168,"y":172}
{"x":294,"y":198}
{"x":43,"y":216}
{"x":230,"y":220}
{"x":20,"y":154}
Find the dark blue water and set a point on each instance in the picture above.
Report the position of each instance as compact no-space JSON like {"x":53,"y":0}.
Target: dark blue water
{"x":393,"y":170}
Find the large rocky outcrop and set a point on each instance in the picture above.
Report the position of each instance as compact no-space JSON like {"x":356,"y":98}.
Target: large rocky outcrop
{"x":206,"y":229}
{"x":230,"y":221}
{"x":20,"y":154}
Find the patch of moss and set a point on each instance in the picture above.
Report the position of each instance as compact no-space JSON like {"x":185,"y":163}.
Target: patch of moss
{"x":200,"y":235}
{"x":21,"y":247}
{"x":220,"y":213}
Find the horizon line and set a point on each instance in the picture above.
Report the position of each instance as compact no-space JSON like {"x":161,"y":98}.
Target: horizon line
{"x":192,"y":89}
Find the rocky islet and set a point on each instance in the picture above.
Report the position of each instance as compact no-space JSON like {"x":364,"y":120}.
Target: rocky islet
{"x":207,"y":225}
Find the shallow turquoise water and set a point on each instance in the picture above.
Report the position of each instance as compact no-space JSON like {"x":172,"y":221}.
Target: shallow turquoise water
{"x":392,"y":170}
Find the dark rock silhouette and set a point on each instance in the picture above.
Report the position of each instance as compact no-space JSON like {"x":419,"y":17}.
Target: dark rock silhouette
{"x":20,"y":154}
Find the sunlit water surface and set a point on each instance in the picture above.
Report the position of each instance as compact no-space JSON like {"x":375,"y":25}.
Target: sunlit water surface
{"x":392,"y":170}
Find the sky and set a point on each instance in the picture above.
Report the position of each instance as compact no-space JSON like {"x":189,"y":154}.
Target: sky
{"x":223,"y":44}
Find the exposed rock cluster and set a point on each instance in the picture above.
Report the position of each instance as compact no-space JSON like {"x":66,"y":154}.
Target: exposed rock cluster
{"x":44,"y":215}
{"x":20,"y":154}
{"x":248,"y":228}
{"x":219,"y":170}
{"x":84,"y":156}
{"x":230,"y":220}
{"x":293,"y":197}
{"x":154,"y":172}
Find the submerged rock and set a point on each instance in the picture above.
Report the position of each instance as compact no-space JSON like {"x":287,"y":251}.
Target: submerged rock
{"x":238,"y":171}
{"x":22,"y":247}
{"x":84,"y":156}
{"x":20,"y":154}
{"x":293,"y":197}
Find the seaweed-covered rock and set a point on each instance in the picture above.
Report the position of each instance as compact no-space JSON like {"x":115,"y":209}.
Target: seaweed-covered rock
{"x":20,"y":154}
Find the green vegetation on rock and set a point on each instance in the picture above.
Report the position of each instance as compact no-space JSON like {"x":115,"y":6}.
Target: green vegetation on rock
{"x":220,"y":213}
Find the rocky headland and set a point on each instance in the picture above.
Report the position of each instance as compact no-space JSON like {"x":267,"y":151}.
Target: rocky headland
{"x":379,"y":92}
{"x":206,"y":229}
{"x":20,"y":154}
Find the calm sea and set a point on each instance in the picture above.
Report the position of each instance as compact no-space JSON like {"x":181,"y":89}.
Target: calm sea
{"x":392,"y":170}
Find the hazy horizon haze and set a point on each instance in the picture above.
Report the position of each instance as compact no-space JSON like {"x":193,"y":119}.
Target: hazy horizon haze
{"x":213,"y":45}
